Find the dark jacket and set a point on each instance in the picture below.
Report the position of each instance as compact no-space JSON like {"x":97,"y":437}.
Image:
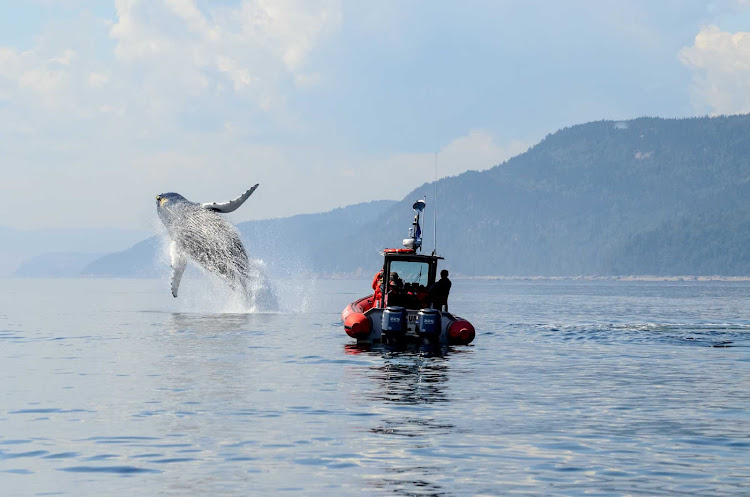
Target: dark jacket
{"x":438,"y":295}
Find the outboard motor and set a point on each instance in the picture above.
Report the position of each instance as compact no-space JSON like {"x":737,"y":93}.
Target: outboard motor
{"x":428,"y":323}
{"x":393,"y":324}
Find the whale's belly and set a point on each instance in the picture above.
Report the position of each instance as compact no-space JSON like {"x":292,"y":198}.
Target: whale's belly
{"x":213,"y":244}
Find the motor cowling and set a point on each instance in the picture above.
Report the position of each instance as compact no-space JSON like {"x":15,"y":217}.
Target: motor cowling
{"x":461,"y":332}
{"x":357,"y":325}
{"x":394,"y":320}
{"x":428,"y":322}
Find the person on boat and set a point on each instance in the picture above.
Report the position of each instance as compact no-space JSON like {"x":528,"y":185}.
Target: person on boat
{"x":377,"y":284}
{"x":395,"y":290}
{"x":438,"y":294}
{"x":396,"y":282}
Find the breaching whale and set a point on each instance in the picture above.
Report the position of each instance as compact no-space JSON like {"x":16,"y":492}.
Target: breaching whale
{"x":199,"y":233}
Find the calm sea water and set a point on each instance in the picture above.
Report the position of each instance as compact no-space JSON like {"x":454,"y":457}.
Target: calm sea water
{"x":111,"y":387}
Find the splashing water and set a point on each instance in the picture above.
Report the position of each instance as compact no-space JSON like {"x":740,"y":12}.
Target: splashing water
{"x":205,"y":292}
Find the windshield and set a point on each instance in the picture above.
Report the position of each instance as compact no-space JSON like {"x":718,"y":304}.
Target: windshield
{"x":411,"y":272}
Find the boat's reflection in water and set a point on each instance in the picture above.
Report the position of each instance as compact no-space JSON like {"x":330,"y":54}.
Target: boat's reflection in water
{"x":412,"y":374}
{"x":411,"y":390}
{"x":424,"y":348}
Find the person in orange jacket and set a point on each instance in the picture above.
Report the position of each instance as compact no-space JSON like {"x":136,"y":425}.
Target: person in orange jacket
{"x":377,"y":284}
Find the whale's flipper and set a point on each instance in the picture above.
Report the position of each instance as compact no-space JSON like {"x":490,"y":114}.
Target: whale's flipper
{"x":179,"y":262}
{"x":230,"y":206}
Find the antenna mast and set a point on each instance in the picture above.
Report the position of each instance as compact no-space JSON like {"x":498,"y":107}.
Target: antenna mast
{"x":434,"y":213}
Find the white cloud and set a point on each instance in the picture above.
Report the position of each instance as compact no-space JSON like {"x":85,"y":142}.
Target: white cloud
{"x":97,"y":80}
{"x":239,"y":76}
{"x":9,"y":67}
{"x":41,"y":80}
{"x":254,"y":46}
{"x":37,"y":81}
{"x":65,"y":59}
{"x":167,"y":53}
{"x":721,"y":64}
{"x":475,"y":151}
{"x":307,"y":80}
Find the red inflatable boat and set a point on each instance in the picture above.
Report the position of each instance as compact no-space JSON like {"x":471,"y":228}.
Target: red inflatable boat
{"x":401,"y":306}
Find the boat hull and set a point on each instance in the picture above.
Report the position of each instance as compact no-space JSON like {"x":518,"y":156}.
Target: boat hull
{"x":364,"y":322}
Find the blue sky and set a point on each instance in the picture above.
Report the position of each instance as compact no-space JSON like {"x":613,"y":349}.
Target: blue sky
{"x":105,"y":104}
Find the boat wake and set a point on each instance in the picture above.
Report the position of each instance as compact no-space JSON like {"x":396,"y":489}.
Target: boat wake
{"x":700,"y":334}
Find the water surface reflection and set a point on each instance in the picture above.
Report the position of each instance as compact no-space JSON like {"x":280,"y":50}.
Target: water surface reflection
{"x":411,"y":388}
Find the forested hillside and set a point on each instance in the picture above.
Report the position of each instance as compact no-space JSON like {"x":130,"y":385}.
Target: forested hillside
{"x":647,"y":196}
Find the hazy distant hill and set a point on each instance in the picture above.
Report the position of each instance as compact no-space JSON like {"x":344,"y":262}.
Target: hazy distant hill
{"x":20,"y":250}
{"x":139,"y":261}
{"x":55,"y":265}
{"x":646,"y":196}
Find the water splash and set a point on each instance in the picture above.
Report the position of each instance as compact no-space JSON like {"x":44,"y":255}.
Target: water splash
{"x":205,"y":292}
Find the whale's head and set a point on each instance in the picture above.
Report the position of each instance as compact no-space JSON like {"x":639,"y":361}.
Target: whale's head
{"x":170,"y":206}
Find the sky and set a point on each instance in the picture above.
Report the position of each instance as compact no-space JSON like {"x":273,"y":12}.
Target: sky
{"x":326,"y":103}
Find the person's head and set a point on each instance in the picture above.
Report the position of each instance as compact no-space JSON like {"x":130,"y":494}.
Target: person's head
{"x":444,"y":273}
{"x":394,"y":276}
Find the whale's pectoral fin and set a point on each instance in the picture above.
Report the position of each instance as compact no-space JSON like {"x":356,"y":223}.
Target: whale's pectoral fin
{"x":230,"y":206}
{"x":179,"y":262}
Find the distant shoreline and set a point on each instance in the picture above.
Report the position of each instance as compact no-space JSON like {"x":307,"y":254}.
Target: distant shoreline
{"x":607,"y":278}
{"x":453,"y":276}
{"x":646,"y":277}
